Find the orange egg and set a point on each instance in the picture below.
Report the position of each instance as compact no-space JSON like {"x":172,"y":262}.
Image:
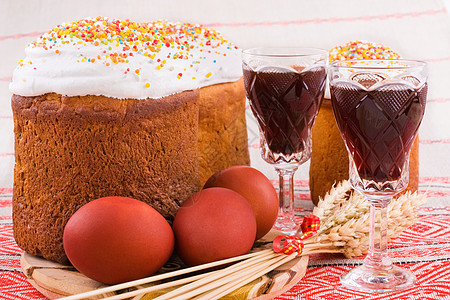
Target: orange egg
{"x":213,"y":224}
{"x":256,"y":188}
{"x":117,"y":239}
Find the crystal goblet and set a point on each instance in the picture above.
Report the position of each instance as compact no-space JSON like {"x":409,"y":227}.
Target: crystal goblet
{"x":378,"y":106}
{"x":285,"y":87}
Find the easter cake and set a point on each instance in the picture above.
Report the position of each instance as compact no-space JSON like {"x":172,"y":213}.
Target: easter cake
{"x":329,"y":158}
{"x":106,"y":107}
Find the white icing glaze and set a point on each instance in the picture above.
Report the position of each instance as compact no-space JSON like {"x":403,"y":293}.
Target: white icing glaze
{"x":155,"y":60}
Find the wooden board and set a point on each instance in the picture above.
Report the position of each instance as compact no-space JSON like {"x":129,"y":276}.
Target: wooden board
{"x":54,"y":280}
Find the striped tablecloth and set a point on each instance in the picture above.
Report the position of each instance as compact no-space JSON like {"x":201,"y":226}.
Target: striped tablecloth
{"x":416,"y":29}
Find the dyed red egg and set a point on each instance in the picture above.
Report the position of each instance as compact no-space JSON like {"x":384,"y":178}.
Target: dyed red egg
{"x":213,"y":224}
{"x":253,"y":186}
{"x":117,"y":239}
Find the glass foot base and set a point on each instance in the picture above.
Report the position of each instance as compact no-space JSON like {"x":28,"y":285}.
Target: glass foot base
{"x":364,"y":279}
{"x":286,"y":225}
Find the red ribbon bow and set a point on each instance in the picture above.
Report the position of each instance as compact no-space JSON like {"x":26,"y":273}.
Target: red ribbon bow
{"x":292,"y":244}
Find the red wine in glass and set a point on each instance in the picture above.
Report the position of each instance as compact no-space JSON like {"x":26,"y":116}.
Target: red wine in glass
{"x":378,"y":106}
{"x":285,"y":102}
{"x":379,"y":125}
{"x":285,"y":87}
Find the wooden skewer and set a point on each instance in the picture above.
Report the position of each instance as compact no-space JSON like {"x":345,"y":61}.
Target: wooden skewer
{"x":322,"y":251}
{"x":193,"y":288}
{"x":138,"y":282}
{"x":231,"y":280}
{"x":320,"y":245}
{"x":158,"y":287}
{"x":263,"y":255}
{"x":321,"y":248}
{"x":244,"y":278}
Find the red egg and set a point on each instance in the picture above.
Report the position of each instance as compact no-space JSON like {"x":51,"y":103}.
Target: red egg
{"x":117,"y":239}
{"x":213,"y":224}
{"x":253,"y":186}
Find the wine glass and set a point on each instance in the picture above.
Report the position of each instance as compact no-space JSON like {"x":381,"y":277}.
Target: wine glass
{"x":378,"y":106}
{"x":285,"y":87}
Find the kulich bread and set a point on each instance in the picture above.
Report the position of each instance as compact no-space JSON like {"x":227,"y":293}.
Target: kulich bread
{"x":104,"y":107}
{"x":329,"y":158}
{"x":222,"y":125}
{"x":70,"y":150}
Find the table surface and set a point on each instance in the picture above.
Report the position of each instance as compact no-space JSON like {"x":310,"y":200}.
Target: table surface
{"x":418,"y":29}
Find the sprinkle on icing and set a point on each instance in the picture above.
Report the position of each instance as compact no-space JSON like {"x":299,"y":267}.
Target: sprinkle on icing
{"x":161,"y":57}
{"x":361,"y":50}
{"x":132,"y":38}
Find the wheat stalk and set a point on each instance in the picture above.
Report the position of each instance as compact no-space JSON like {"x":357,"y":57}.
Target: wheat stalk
{"x":344,"y":220}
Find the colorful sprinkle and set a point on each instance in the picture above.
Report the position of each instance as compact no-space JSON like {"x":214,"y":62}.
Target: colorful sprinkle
{"x":361,"y":50}
{"x":118,"y":40}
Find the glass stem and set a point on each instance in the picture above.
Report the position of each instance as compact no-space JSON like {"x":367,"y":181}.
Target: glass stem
{"x":377,"y":257}
{"x":286,"y":192}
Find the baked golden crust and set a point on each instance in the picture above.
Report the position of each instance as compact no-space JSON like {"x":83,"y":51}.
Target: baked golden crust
{"x":223,"y":139}
{"x":329,"y":158}
{"x":70,"y":150}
